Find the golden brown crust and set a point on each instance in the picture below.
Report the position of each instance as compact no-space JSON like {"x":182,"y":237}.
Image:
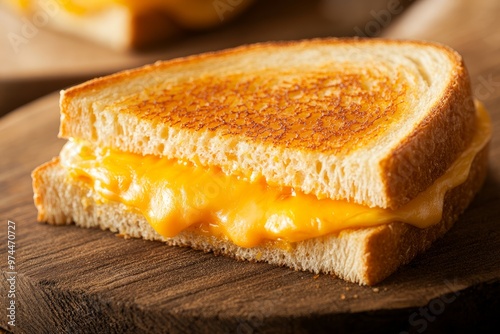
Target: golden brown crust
{"x":396,"y":244}
{"x":100,"y":83}
{"x":453,"y":117}
{"x":39,"y":186}
{"x":265,"y":110}
{"x":273,"y":111}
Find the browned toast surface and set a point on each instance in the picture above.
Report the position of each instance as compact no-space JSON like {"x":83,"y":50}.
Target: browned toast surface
{"x":361,"y":120}
{"x":293,"y":108}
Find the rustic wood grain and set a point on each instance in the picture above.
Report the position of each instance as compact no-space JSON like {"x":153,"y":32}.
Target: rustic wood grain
{"x":73,"y":280}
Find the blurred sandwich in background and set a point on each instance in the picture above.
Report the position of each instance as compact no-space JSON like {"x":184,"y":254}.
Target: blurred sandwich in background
{"x":128,"y":24}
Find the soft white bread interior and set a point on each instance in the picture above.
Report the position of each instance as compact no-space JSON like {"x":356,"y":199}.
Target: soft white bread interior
{"x":370,"y":121}
{"x":364,"y":256}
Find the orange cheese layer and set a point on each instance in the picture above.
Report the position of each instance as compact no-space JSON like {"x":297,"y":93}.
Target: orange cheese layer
{"x":174,"y":196}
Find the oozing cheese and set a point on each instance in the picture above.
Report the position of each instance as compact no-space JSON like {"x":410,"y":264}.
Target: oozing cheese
{"x":174,"y":196}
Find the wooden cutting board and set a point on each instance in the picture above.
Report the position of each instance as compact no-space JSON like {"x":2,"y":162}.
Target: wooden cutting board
{"x":72,"y":280}
{"x":76,"y":280}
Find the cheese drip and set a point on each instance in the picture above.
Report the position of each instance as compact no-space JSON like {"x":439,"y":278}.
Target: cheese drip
{"x":174,"y":196}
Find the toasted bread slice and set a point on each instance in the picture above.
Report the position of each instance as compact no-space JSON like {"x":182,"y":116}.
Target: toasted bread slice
{"x":369,"y":121}
{"x":127,"y":24}
{"x":364,"y":256}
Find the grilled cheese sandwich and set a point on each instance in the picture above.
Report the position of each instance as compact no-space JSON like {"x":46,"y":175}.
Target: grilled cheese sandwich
{"x":170,"y":152}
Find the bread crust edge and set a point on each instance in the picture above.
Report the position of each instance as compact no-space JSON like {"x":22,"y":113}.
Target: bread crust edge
{"x":445,"y":133}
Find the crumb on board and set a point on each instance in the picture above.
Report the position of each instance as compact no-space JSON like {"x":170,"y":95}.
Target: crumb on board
{"x":376,"y":290}
{"x":123,"y":235}
{"x":316,"y":276}
{"x":342,"y":296}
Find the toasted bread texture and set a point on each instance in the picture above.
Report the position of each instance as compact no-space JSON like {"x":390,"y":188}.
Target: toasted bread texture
{"x":361,"y":120}
{"x":365,"y":256}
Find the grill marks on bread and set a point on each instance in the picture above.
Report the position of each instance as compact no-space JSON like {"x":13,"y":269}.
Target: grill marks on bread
{"x":327,"y":111}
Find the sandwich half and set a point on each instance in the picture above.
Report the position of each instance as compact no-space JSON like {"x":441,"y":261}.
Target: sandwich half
{"x":340,"y":156}
{"x":127,"y":24}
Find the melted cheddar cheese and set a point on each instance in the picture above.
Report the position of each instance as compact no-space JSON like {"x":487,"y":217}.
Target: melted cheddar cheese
{"x":174,"y":196}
